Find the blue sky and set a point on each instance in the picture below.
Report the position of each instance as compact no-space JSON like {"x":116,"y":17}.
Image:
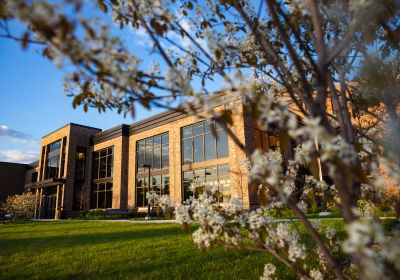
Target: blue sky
{"x":32,"y":98}
{"x":33,"y":102}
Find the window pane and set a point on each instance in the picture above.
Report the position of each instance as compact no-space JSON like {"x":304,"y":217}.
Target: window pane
{"x":149,"y":157}
{"x":198,"y":129}
{"x":100,"y":199}
{"x":110,"y":166}
{"x":157,"y":140}
{"x":102,"y":173}
{"x":199,"y":175}
{"x":139,"y":197}
{"x":140,"y":162}
{"x":141,"y":145}
{"x":187,"y":132}
{"x":165,"y":138}
{"x":110,"y":150}
{"x":140,"y":183}
{"x":187,"y":180}
{"x":149,"y":143}
{"x":223,"y":170}
{"x":165,"y":156}
{"x":207,"y":126}
{"x":103,"y":153}
{"x":108,"y":194}
{"x":222,"y":144}
{"x":209,"y":145}
{"x":157,"y":158}
{"x":198,"y":149}
{"x":187,"y":151}
{"x":155,"y":180}
{"x":165,"y":184}
{"x":109,"y":186}
{"x":218,"y":126}
{"x":211,"y":174}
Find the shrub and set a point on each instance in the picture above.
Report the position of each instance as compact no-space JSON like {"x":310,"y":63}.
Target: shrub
{"x":22,"y":206}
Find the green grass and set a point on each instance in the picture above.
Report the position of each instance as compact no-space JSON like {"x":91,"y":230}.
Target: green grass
{"x":103,"y":250}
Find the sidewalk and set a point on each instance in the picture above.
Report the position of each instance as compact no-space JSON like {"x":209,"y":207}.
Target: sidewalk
{"x":175,"y":222}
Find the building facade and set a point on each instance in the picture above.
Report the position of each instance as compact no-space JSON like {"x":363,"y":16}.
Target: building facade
{"x":84,"y":168}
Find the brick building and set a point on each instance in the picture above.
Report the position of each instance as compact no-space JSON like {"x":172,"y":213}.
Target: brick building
{"x":82,"y":167}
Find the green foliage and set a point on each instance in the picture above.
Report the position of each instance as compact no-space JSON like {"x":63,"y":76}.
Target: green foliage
{"x":94,"y":214}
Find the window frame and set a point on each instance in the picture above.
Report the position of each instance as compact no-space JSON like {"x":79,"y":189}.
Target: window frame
{"x":188,"y":135}
{"x":187,"y":193}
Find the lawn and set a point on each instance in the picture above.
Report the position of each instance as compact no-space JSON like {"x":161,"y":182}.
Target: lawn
{"x":107,"y":250}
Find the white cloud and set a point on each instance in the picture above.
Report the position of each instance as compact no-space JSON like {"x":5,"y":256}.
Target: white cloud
{"x":19,"y":156}
{"x":15,"y":135}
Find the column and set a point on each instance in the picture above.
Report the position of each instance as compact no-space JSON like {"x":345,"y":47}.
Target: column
{"x":57,"y":211}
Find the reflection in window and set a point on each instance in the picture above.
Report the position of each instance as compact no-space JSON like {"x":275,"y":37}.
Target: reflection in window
{"x":53,"y":160}
{"x":267,"y":140}
{"x":101,"y":196}
{"x":153,"y":151}
{"x":79,"y":178}
{"x":103,"y":163}
{"x":159,"y":184}
{"x":214,"y":176}
{"x":200,"y":144}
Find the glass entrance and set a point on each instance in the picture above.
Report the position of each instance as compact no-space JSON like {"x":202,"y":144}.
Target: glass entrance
{"x":49,"y":202}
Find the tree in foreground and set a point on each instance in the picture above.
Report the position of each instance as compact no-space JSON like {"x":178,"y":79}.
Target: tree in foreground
{"x":279,"y":57}
{"x":22,"y":206}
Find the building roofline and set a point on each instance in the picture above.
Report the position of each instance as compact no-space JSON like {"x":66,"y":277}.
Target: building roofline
{"x":16,"y":163}
{"x":111,"y":133}
{"x":71,"y":124}
{"x":33,"y":164}
{"x":174,"y":114}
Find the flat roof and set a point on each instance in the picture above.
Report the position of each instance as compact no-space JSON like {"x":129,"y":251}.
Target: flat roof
{"x":72,"y":124}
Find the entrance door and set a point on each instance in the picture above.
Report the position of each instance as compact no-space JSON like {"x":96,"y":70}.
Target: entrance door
{"x":49,"y":203}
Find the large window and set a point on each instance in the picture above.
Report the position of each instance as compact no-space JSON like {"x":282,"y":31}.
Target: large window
{"x":103,"y":163}
{"x":200,"y":144}
{"x":79,"y":178}
{"x":267,"y":140}
{"x":216,"y":176}
{"x":101,"y":195}
{"x":159,"y":184}
{"x":153,"y":151}
{"x":102,"y":178}
{"x":53,"y":160}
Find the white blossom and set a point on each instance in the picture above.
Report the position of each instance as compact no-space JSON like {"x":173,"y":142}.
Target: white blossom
{"x":269,"y":272}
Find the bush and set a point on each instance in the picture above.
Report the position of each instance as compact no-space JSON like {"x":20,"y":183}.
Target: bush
{"x":94,"y":214}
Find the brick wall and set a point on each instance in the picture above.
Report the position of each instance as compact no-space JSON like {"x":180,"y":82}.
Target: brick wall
{"x":12,"y":179}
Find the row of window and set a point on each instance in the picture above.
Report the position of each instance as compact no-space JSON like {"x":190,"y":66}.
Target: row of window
{"x":53,"y":166}
{"x":153,"y":152}
{"x":200,"y":142}
{"x":103,"y":163}
{"x":203,"y":141}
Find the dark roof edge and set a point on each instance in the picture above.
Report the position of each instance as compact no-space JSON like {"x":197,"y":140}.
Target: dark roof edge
{"x":72,"y":124}
{"x":173,"y":115}
{"x":17,"y":163}
{"x":116,"y":131}
{"x":33,"y":164}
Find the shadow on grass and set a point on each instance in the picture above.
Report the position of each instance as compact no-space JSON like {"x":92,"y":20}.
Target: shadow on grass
{"x":71,"y":239}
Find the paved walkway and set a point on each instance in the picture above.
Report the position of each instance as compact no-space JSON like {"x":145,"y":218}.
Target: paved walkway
{"x":175,"y":222}
{"x":114,"y":221}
